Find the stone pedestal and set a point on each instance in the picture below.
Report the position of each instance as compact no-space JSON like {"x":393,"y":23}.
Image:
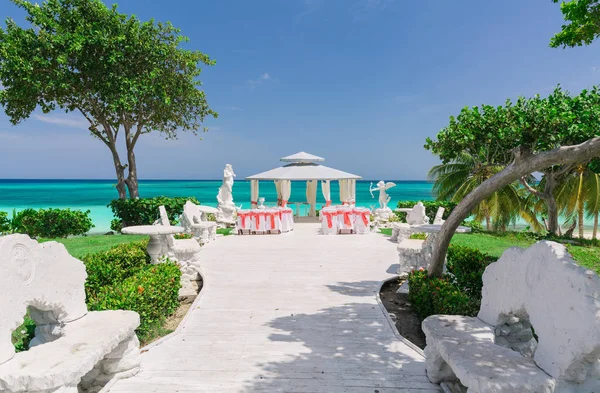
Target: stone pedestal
{"x":381,"y":217}
{"x":227,"y":215}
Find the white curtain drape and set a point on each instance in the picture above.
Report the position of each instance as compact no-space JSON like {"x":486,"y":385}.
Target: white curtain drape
{"x":286,"y":191}
{"x":326,"y":189}
{"x":278,"y":188}
{"x":343,"y":190}
{"x":352,"y":190}
{"x":254,"y":193}
{"x":311,"y":197}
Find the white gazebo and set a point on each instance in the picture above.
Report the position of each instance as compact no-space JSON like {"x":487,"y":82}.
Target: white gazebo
{"x":305,"y":167}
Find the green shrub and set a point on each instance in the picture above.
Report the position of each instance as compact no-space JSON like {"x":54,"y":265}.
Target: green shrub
{"x":474,"y":225}
{"x":22,"y":335}
{"x":431,"y":208}
{"x":418,"y":236}
{"x":429,"y":296}
{"x":4,"y":223}
{"x":467,"y":265}
{"x":144,"y":211}
{"x":113,"y":266}
{"x":152,"y":293}
{"x":51,"y":223}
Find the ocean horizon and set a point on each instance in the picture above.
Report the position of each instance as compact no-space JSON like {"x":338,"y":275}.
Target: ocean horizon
{"x":95,"y":194}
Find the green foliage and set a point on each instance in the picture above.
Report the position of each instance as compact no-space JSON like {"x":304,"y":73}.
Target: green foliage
{"x":473,"y":224}
{"x":454,"y":180}
{"x":431,"y":208}
{"x":144,"y":211}
{"x":492,"y":135}
{"x":583,"y":27}
{"x":81,"y":246}
{"x":22,"y":335}
{"x":182,"y":236}
{"x":4,"y":223}
{"x":418,"y":236}
{"x":467,"y":265}
{"x":429,"y":296}
{"x":224,"y":231}
{"x":51,"y":222}
{"x":152,"y":293}
{"x":114,"y":266}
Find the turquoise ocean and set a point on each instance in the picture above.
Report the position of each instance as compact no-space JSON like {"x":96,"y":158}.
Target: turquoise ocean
{"x":94,"y":195}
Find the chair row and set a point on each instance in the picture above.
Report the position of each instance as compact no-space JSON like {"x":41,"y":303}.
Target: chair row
{"x":271,"y":220}
{"x":339,"y":219}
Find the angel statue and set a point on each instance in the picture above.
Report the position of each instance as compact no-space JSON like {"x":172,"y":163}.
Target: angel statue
{"x":384,"y":198}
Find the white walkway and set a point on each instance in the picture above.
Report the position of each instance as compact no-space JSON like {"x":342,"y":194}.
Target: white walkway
{"x":287,"y":313}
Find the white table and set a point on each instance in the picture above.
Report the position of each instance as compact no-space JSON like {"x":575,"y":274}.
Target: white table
{"x":207,"y":210}
{"x":154,"y":231}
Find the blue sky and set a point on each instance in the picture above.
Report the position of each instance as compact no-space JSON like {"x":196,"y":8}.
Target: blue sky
{"x":359,"y":82}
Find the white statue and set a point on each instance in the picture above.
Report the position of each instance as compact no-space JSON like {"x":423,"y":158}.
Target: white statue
{"x":227,"y":209}
{"x":225,"y":196}
{"x":384,"y":198}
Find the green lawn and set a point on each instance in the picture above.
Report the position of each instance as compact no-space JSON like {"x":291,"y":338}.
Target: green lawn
{"x":495,"y":244}
{"x":83,"y":245}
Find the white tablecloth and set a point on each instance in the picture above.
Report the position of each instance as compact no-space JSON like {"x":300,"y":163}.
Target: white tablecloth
{"x":337,"y":219}
{"x":278,"y":219}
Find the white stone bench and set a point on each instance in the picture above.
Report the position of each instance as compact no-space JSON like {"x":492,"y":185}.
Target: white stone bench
{"x":497,"y":353}
{"x":186,"y":252}
{"x":192,"y":220}
{"x":416,"y":216}
{"x":73,"y":349}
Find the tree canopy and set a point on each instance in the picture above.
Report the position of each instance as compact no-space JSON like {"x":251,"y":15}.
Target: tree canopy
{"x":121,"y":74}
{"x":584,"y":23}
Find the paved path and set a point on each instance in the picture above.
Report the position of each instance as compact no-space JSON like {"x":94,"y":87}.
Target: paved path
{"x":289,"y":313}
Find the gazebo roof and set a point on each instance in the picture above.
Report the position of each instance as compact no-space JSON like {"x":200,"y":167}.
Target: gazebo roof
{"x":303,"y":166}
{"x":302,"y":157}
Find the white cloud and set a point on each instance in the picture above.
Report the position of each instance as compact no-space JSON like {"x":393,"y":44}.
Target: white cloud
{"x":252,"y":83}
{"x":67,"y":121}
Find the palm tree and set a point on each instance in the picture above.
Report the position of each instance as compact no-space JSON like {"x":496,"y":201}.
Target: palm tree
{"x":456,"y":179}
{"x":579,"y":196}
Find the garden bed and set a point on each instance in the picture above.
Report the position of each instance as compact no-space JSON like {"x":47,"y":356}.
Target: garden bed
{"x":406,"y":319}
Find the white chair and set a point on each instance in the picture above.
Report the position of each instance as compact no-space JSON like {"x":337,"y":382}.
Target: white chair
{"x":273,"y":220}
{"x":362,"y":220}
{"x":178,"y":249}
{"x":344,"y":219}
{"x":329,"y":223}
{"x":192,"y":220}
{"x":244,"y":222}
{"x":439,"y":220}
{"x":287,"y":219}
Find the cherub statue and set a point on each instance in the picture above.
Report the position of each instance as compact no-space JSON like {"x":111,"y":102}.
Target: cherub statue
{"x":384,"y":198}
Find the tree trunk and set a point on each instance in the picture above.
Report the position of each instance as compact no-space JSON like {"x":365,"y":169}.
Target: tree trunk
{"x":488,"y":222}
{"x":132,"y":180}
{"x":523,"y":165}
{"x":548,"y":197}
{"x":120,"y":170}
{"x":571,"y":229}
{"x":595,"y":232}
{"x":580,"y":204}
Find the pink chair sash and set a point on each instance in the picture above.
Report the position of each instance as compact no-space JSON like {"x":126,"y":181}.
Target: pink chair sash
{"x":329,"y":216}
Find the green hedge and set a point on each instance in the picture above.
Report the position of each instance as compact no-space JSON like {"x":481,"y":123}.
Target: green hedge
{"x":457,"y":293}
{"x":114,"y":266}
{"x":152,"y":293}
{"x":467,"y":265}
{"x":431,"y":208}
{"x":144,"y":211}
{"x":50,"y":223}
{"x":429,"y":296}
{"x":122,"y":278}
{"x":4,"y":223}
